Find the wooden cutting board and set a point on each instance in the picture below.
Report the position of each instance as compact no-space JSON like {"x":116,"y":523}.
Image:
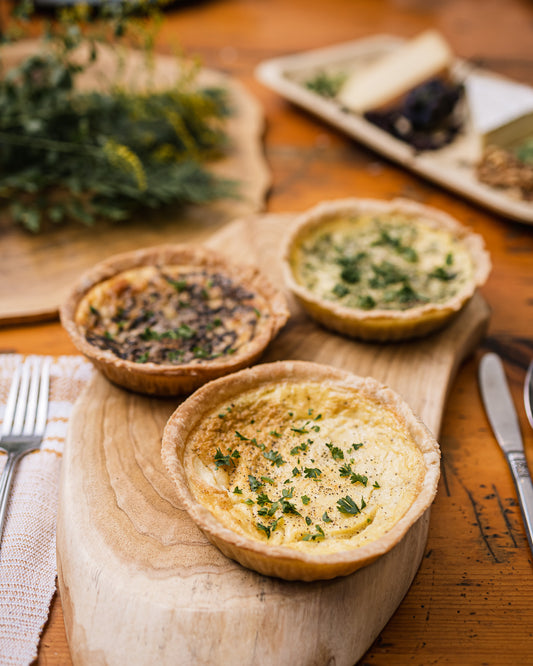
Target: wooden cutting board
{"x":37,"y":270}
{"x":140,"y":584}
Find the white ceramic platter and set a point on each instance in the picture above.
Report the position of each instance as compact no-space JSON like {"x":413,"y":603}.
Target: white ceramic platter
{"x":453,"y":166}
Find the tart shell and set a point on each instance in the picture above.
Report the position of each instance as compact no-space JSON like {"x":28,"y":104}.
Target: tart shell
{"x":382,"y":325}
{"x":276,"y":560}
{"x":166,"y":379}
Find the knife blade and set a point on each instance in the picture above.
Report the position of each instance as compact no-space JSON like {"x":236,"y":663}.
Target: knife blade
{"x":503,"y":419}
{"x":528,"y":394}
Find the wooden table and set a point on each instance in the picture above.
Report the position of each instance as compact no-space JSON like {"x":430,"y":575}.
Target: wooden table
{"x":471,"y":599}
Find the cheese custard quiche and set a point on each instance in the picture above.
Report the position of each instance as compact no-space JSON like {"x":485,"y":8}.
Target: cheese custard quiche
{"x":380,"y":270}
{"x":164,"y":320}
{"x":299,"y":470}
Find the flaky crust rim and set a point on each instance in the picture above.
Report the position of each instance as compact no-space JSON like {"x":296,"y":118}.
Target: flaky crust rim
{"x":162,"y":379}
{"x":383,"y":325}
{"x":279,"y":561}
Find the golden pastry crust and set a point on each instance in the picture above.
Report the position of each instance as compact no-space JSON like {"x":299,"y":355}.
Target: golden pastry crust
{"x":382,"y":271}
{"x":166,"y":319}
{"x":300,"y":470}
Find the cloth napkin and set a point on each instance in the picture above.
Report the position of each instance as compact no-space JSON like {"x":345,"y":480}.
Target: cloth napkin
{"x":28,"y":548}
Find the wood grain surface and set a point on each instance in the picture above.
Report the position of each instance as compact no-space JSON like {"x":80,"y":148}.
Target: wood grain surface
{"x":470,"y":602}
{"x":139,"y":579}
{"x":39,"y":269}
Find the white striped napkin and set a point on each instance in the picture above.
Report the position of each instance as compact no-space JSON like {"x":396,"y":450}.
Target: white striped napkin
{"x":28,"y":547}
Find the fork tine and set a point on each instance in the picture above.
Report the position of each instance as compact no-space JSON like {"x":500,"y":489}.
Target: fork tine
{"x":31,"y":403}
{"x":11,"y":401}
{"x":42,"y":407}
{"x":20,"y":410}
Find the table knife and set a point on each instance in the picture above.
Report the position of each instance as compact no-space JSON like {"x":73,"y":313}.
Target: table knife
{"x":504,"y":422}
{"x":528,"y":394}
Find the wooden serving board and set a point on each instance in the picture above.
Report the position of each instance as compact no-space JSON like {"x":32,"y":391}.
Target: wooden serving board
{"x":139,"y":582}
{"x":37,"y":270}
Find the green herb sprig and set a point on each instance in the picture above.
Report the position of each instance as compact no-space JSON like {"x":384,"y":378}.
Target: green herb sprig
{"x":70,"y":155}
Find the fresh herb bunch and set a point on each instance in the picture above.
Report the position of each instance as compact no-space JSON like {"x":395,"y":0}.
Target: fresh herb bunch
{"x":72,"y":155}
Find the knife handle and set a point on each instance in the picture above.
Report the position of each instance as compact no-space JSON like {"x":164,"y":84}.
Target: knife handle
{"x":524,"y":486}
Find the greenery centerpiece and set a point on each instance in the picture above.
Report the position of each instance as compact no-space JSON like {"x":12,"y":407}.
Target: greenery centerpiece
{"x":72,"y":155}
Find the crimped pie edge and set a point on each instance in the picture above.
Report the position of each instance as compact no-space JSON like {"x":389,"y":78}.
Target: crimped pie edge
{"x":281,"y":561}
{"x":383,"y":325}
{"x":162,"y":379}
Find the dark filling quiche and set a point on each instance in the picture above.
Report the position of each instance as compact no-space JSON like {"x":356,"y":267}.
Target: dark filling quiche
{"x":165,"y":320}
{"x":171,"y":314}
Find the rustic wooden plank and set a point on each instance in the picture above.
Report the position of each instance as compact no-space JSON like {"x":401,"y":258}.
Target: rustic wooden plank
{"x":138,"y":578}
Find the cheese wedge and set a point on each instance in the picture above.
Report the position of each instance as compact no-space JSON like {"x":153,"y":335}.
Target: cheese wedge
{"x":396,"y":73}
{"x":501,"y":110}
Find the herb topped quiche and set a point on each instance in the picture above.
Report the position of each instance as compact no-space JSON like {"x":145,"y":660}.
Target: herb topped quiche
{"x":382,"y":270}
{"x":164,"y":320}
{"x":299,"y":470}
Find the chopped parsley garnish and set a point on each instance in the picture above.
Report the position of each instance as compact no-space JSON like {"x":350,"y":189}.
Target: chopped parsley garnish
{"x":221,"y":459}
{"x":376,"y":485}
{"x":441,"y":273}
{"x":267,"y":479}
{"x":335,"y":452}
{"x":237,"y":490}
{"x":300,"y":431}
{"x":359,"y":478}
{"x":288,"y":507}
{"x":185,"y":332}
{"x":264,"y":528}
{"x":312,"y":472}
{"x":254,"y":483}
{"x":348,"y":506}
{"x":201,"y":352}
{"x":340,"y":290}
{"x":366,"y":302}
{"x":326,"y":84}
{"x":386,"y":274}
{"x":345,"y":470}
{"x":326,"y":518}
{"x":317,"y":536}
{"x":357,"y":446}
{"x":263,"y":498}
{"x":305,"y":499}
{"x":179,"y":285}
{"x":275,"y":457}
{"x":296,"y":449}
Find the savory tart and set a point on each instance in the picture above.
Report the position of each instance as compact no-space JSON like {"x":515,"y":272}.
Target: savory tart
{"x":380,"y":270}
{"x":166,"y":319}
{"x":300,"y":470}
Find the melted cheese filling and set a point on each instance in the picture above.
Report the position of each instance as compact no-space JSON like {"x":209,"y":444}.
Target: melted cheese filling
{"x":171,"y":315}
{"x":304,"y":465}
{"x":389,"y":262}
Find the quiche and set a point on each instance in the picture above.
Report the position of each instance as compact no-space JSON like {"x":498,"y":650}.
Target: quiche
{"x":378,"y":270}
{"x":164,"y":320}
{"x":301,"y":470}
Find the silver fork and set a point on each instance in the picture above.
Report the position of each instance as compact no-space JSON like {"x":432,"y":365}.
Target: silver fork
{"x":24,"y":420}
